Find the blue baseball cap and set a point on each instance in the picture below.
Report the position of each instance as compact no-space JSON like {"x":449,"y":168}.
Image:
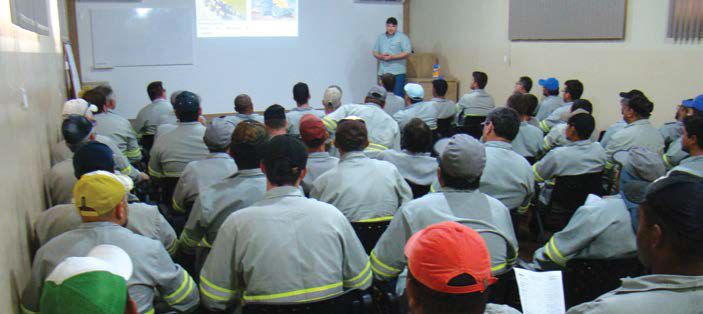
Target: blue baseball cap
{"x":550,"y":84}
{"x":696,"y":103}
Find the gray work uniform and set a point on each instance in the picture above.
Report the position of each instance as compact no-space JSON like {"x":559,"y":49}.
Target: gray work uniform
{"x":392,"y":45}
{"x":557,"y":137}
{"x":394,"y":103}
{"x":555,"y":117}
{"x":143,"y":219}
{"x":445,"y":108}
{"x":60,"y":182}
{"x":651,"y":294}
{"x":153,"y":269}
{"x":294,"y":115}
{"x":174,"y":150}
{"x":388,"y":258}
{"x":674,"y":154}
{"x":61,"y":152}
{"x":153,"y":115}
{"x":164,"y":128}
{"x":362,"y":188}
{"x":670,"y":131}
{"x":284,"y":248}
{"x":418,"y":168}
{"x":239,"y":117}
{"x":425,"y":111}
{"x":692,"y":165}
{"x":216,"y":202}
{"x":475,"y":103}
{"x":318,"y":163}
{"x":199,"y":174}
{"x":547,"y":106}
{"x":612,"y":129}
{"x":120,"y":131}
{"x":507,"y":176}
{"x":528,"y":142}
{"x":576,"y":158}
{"x":598,"y":230}
{"x":640,"y":133}
{"x":382,"y":130}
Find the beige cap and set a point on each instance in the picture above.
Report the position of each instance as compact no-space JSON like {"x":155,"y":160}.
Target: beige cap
{"x":80,"y":107}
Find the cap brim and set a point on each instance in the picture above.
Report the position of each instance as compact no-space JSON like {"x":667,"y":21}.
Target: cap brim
{"x":93,"y":108}
{"x":624,"y":94}
{"x":118,"y":259}
{"x":688,"y":103}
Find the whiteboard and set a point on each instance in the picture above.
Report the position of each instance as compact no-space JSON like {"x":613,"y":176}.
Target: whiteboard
{"x":125,"y":37}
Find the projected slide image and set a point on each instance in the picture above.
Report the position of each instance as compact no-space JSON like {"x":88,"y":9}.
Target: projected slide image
{"x":247,"y":18}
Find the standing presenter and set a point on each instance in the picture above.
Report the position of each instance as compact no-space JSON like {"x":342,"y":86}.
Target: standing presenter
{"x":392,"y":49}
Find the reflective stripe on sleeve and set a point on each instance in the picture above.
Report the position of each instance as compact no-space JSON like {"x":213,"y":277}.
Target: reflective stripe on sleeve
{"x":382,"y":269}
{"x":214,"y":291}
{"x":150,"y":311}
{"x":378,"y":147}
{"x":554,"y":254}
{"x":667,"y":162}
{"x":546,"y":145}
{"x":155,"y":173}
{"x":384,"y":218}
{"x":544,"y":126}
{"x":127,"y":170}
{"x":187,"y":240}
{"x":177,"y":207}
{"x":171,"y":249}
{"x":329,"y":123}
{"x":135,"y":153}
{"x":302,"y":295}
{"x":26,"y":311}
{"x":183,"y":290}
{"x":538,"y":178}
{"x":361,"y":279}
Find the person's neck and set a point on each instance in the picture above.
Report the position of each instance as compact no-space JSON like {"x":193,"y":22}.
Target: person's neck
{"x":319,"y":149}
{"x":632,"y":120}
{"x":695,"y":151}
{"x":101,"y":219}
{"x":492,"y":137}
{"x":305,"y":105}
{"x":525,"y":118}
{"x":678,"y":267}
{"x":274,"y":132}
{"x":247,"y":112}
{"x":270,"y":186}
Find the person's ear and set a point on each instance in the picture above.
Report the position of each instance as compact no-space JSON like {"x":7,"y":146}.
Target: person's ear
{"x":131,"y":306}
{"x":121,"y":210}
{"x":413,"y":306}
{"x":302,"y":174}
{"x":367,"y":143}
{"x":440,"y":179}
{"x":657,"y":237}
{"x":262,"y":167}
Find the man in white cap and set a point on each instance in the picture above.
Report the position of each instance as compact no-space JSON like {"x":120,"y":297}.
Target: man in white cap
{"x":416,"y":107}
{"x":332,"y":98}
{"x":101,"y":201}
{"x":112,"y":125}
{"x":214,"y":168}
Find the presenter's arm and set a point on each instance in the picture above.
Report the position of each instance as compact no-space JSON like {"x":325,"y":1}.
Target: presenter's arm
{"x":378,"y":55}
{"x":400,"y":56}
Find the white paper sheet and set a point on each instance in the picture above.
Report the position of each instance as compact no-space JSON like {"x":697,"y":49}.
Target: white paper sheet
{"x":540,"y":292}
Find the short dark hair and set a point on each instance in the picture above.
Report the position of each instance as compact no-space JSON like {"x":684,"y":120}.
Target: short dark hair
{"x":388,"y":81}
{"x":242,"y":103}
{"x":506,"y":122}
{"x":552,"y":92}
{"x":641,"y":106}
{"x":584,"y":125}
{"x":575,"y":88}
{"x":694,"y":127}
{"x":582,"y":104}
{"x":285,"y":159}
{"x":433,"y":301}
{"x":480,"y":78}
{"x":301,"y":93}
{"x":187,"y":113}
{"x":526,"y":83}
{"x":392,"y":20}
{"x":417,"y":136}
{"x":97,"y":98}
{"x":155,"y":90}
{"x":518,"y":103}
{"x":106,"y":90}
{"x":440,"y":87}
{"x":532,"y":102}
{"x":459,"y":183}
{"x":351,"y":135}
{"x":275,"y":117}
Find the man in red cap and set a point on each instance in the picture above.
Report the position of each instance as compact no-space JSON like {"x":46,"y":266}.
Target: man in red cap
{"x":449,"y":271}
{"x":314,"y":135}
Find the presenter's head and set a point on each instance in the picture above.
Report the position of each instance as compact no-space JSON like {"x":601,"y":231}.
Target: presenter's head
{"x":391,"y":26}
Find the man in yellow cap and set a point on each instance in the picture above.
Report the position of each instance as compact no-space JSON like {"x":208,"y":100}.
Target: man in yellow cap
{"x":100,"y":198}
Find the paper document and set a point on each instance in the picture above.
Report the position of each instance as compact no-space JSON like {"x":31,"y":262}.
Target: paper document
{"x":540,"y":292}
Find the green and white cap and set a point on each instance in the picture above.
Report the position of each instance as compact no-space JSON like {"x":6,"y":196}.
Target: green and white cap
{"x":96,"y":283}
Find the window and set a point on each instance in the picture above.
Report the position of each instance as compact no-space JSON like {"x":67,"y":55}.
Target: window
{"x":685,"y":19}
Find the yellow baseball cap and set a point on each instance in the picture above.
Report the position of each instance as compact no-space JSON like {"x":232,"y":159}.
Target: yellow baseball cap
{"x":98,"y":193}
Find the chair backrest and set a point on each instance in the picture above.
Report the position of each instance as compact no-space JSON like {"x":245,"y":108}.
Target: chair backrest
{"x":570,"y":192}
{"x":587,"y":279}
{"x":418,"y":190}
{"x":472,"y":125}
{"x":167,"y":186}
{"x":370,"y":232}
{"x":350,"y":302}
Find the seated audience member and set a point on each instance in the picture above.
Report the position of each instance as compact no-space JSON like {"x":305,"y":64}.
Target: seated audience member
{"x":314,"y":135}
{"x":112,"y":125}
{"x":414,"y":162}
{"x":573,"y":89}
{"x":416,"y":107}
{"x":523,"y":85}
{"x":528,"y":141}
{"x":301,"y":94}
{"x":460,"y":168}
{"x":80,"y":107}
{"x":532,"y":104}
{"x":551,"y":100}
{"x":445,"y":107}
{"x":275,"y":120}
{"x":101,"y":200}
{"x":639,"y":130}
{"x":617,"y":126}
{"x":692,"y":143}
{"x":142,"y":219}
{"x":393,"y":102}
{"x":273,"y":238}
{"x":199,"y":174}
{"x":581,"y":156}
{"x":675,"y":153}
{"x":556,"y":136}
{"x":96,"y":283}
{"x":449,"y":271}
{"x":217,"y":201}
{"x":507,"y":176}
{"x":670,"y":131}
{"x":477,"y":102}
{"x":694,"y":106}
{"x":668,"y":243}
{"x":173,"y":150}
{"x":383,"y":131}
{"x":332,"y":98}
{"x":245,"y":110}
{"x":363,"y":189}
{"x":640,"y":166}
{"x":159,"y":111}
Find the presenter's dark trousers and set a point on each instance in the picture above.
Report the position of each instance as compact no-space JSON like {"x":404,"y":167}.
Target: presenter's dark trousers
{"x":399,"y":85}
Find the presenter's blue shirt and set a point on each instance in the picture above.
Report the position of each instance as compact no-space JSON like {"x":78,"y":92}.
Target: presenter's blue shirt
{"x":392,"y":45}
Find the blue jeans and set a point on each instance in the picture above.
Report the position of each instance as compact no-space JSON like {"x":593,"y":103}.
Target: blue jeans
{"x":399,"y":85}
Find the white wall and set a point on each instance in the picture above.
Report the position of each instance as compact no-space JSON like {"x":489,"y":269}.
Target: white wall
{"x":333,"y":47}
{"x":473,"y":35}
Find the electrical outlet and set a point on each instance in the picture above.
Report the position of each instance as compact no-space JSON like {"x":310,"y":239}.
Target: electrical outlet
{"x":25,"y":101}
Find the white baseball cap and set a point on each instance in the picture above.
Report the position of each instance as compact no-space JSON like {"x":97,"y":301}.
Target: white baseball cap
{"x":414,"y":91}
{"x":80,"y":107}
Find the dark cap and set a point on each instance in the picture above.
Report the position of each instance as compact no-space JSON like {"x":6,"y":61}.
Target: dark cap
{"x":631,"y":94}
{"x":248,"y":136}
{"x":285,"y":151}
{"x":75,"y":128}
{"x":275,"y":112}
{"x":93,"y":156}
{"x":377,"y":93}
{"x":187,"y":102}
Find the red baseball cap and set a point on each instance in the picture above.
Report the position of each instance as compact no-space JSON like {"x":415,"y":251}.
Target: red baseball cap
{"x":312,"y":128}
{"x":446,"y":250}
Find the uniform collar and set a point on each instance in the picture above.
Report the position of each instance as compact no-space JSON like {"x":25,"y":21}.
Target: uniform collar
{"x":283,"y":191}
{"x":218,"y":156}
{"x":188,"y":123}
{"x":98,"y":224}
{"x":478,"y":91}
{"x":523,"y":123}
{"x":639,"y":122}
{"x":499,"y":144}
{"x":319,"y":155}
{"x":352,"y":155}
{"x":159,"y":100}
{"x":691,"y":159}
{"x":374,"y":104}
{"x":437,"y":99}
{"x":390,"y":36}
{"x":579,"y":143}
{"x":447,"y":189}
{"x":245,"y":116}
{"x":407,"y":152}
{"x":659,"y":282}
{"x":249,"y":172}
{"x":304,"y":108}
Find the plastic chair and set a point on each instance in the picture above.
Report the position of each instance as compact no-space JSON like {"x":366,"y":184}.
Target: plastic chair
{"x":472,"y":125}
{"x":418,"y":190}
{"x":570,"y":192}
{"x":370,"y":232}
{"x":587,"y":279}
{"x":505,"y":291}
{"x":351,"y":302}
